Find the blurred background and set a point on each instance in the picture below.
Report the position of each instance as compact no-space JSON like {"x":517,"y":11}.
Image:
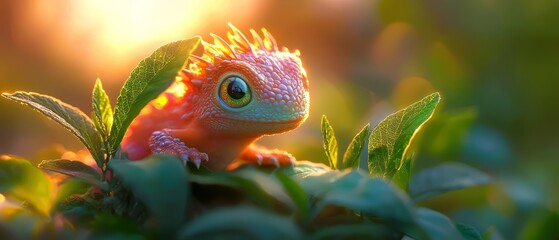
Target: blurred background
{"x":495,"y":63}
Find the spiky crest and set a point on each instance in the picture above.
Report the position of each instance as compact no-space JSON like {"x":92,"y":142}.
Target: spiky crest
{"x":238,"y":44}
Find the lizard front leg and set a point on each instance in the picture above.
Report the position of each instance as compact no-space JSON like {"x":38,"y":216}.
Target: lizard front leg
{"x":267,"y":157}
{"x":167,"y":141}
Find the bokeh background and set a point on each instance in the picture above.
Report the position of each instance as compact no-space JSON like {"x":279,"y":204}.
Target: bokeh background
{"x":495,"y":62}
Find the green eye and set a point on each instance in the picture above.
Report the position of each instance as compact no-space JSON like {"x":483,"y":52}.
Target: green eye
{"x":235,"y":92}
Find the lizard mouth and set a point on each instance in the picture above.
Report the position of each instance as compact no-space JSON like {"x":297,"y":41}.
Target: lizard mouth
{"x":279,"y":121}
{"x":299,"y":118}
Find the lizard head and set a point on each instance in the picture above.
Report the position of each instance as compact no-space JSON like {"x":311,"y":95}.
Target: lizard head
{"x":241,"y":87}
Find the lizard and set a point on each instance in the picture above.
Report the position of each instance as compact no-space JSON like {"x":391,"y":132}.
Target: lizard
{"x":224,"y":100}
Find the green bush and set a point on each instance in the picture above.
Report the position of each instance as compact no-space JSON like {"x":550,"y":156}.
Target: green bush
{"x":160,"y":198}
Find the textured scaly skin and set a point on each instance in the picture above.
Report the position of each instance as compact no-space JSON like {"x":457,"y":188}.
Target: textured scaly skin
{"x":192,"y":120}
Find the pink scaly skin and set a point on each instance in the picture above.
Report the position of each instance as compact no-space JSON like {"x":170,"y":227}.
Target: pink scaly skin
{"x":228,"y":98}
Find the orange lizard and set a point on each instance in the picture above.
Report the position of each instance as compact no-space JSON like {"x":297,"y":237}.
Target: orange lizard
{"x":225,"y":100}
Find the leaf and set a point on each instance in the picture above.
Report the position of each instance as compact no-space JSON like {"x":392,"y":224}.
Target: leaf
{"x":444,"y":178}
{"x":23,"y":181}
{"x":296,"y":192}
{"x":303,"y":169}
{"x":436,"y":225}
{"x":17,"y":222}
{"x":320,"y":183}
{"x":402,"y":176}
{"x":75,"y":169}
{"x":357,"y":191}
{"x":351,"y":155}
{"x":390,"y":139}
{"x":75,"y":203}
{"x":329,"y":142}
{"x":268,"y":183}
{"x":468,"y":232}
{"x":160,"y":182}
{"x":250,"y":188}
{"x":150,"y":78}
{"x":243,"y":222}
{"x":71,"y":186}
{"x":257,"y":185}
{"x":66,"y":115}
{"x":102,"y":109}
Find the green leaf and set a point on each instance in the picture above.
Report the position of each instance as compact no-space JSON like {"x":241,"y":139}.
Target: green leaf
{"x":444,"y":178}
{"x":243,"y":222}
{"x":390,"y":139}
{"x":296,"y":193}
{"x":74,"y":201}
{"x":150,"y":78}
{"x":268,"y":183}
{"x":436,"y":225}
{"x":23,"y":181}
{"x":320,"y":183}
{"x":160,"y":182}
{"x":17,"y":222}
{"x":351,"y":155}
{"x":357,"y":191}
{"x":253,"y":191}
{"x":329,"y":142}
{"x":66,"y":115}
{"x":75,"y":169}
{"x":402,"y":176}
{"x":303,"y":169}
{"x":257,"y":185}
{"x":71,"y":186}
{"x":468,"y":232}
{"x":102,"y":109}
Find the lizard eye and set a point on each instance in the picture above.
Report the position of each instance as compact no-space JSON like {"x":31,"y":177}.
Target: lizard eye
{"x":234,"y":92}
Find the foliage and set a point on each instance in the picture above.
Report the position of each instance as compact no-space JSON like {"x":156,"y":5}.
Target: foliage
{"x":159,"y":197}
{"x":391,"y":138}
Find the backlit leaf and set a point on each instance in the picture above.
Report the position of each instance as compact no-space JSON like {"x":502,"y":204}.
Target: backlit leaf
{"x":102,"y":108}
{"x":351,"y":155}
{"x":329,"y":142}
{"x":402,"y":176}
{"x":390,"y":139}
{"x":150,"y":78}
{"x":66,"y":115}
{"x":75,"y":169}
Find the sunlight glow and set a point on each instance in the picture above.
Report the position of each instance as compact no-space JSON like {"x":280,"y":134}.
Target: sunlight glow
{"x":2,"y":198}
{"x":123,"y":25}
{"x":98,"y":33}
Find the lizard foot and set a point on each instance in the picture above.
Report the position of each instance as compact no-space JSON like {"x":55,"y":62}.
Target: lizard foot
{"x":163,"y":142}
{"x":266,"y":157}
